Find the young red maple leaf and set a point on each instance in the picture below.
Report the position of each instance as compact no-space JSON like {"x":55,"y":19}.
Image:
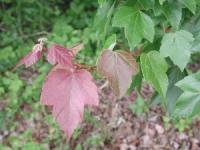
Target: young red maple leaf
{"x":60,"y":55}
{"x":55,"y":55}
{"x":68,"y":91}
{"x":32,"y":56}
{"x":122,"y":66}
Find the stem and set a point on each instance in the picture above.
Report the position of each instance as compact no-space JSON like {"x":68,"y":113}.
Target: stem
{"x":35,"y":34}
{"x":137,"y":52}
{"x":19,"y":21}
{"x":87,"y":67}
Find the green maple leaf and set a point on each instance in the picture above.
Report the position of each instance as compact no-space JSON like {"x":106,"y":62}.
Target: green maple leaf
{"x":173,"y":92}
{"x":161,"y":2}
{"x":190,"y":4}
{"x":103,"y":17}
{"x":188,"y":104}
{"x":178,"y":47}
{"x":173,"y":13}
{"x":137,"y":24}
{"x":196,"y":44}
{"x":154,"y":68}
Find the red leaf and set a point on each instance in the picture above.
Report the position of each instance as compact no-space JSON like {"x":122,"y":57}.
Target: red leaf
{"x":117,"y":67}
{"x":32,"y":57}
{"x":77,"y":48}
{"x":68,"y":91}
{"x":60,"y":55}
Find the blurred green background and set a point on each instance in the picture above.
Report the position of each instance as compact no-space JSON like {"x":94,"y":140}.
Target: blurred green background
{"x":22,"y":22}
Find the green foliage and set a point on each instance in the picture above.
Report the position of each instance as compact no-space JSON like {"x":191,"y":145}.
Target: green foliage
{"x":173,"y":13}
{"x":178,"y":47}
{"x":196,"y":44}
{"x":78,"y":147}
{"x":154,"y":68}
{"x":139,"y":107}
{"x":173,"y":92}
{"x":90,"y":119}
{"x":161,"y":2}
{"x":183,"y":124}
{"x":171,"y":30}
{"x":190,"y":4}
{"x":134,"y":21}
{"x":6,"y":54}
{"x":180,"y":124}
{"x":189,"y":102}
{"x":166,"y":122}
{"x":103,"y":19}
{"x":110,"y":42}
{"x":95,"y":141}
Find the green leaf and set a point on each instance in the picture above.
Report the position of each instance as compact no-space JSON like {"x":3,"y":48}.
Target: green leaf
{"x":154,"y":68}
{"x":139,"y":107}
{"x":190,"y":4}
{"x":31,"y":146}
{"x":101,"y":2}
{"x":188,"y":104}
{"x":198,"y":2}
{"x":178,"y":47}
{"x":78,"y":147}
{"x":173,"y":13}
{"x":137,"y":24}
{"x":161,"y":2}
{"x":173,"y":92}
{"x":146,"y":4}
{"x":157,"y":10}
{"x":136,"y":82}
{"x":103,"y":18}
{"x":5,"y":147}
{"x":110,"y":42}
{"x":193,"y":24}
{"x":196,"y":44}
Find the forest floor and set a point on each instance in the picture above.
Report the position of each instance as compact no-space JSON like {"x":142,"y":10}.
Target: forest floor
{"x":112,"y":126}
{"x":124,"y":130}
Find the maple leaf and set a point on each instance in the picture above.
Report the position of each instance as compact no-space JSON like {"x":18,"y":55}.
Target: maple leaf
{"x":68,"y":91}
{"x":60,"y":55}
{"x":118,"y":67}
{"x":137,"y":25}
{"x":75,"y":49}
{"x":32,"y":56}
{"x":178,"y":47}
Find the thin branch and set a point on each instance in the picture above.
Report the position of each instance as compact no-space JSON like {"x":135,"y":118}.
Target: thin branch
{"x":87,"y":67}
{"x":105,"y":84}
{"x":35,"y":34}
{"x":137,"y":52}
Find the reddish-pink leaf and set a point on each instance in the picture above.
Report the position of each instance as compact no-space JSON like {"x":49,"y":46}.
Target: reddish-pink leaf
{"x":77,"y":48}
{"x":68,"y":91}
{"x":32,"y":56}
{"x":118,"y":67}
{"x":60,"y":55}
